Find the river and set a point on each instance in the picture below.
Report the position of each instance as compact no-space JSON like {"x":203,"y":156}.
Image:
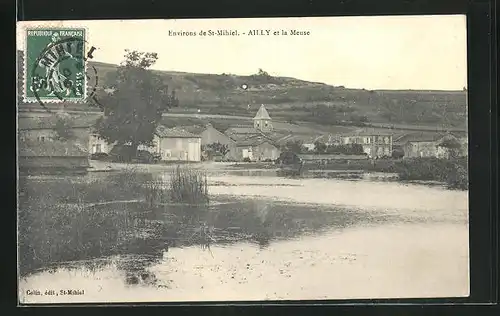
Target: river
{"x":324,"y":239}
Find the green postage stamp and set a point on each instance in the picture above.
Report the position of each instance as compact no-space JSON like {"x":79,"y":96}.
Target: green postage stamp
{"x":54,"y":65}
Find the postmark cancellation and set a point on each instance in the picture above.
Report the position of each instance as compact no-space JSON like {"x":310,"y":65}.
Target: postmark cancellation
{"x":54,"y":65}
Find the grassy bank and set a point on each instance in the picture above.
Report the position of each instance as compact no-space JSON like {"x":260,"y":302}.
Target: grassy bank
{"x":453,"y":172}
{"x":59,"y":220}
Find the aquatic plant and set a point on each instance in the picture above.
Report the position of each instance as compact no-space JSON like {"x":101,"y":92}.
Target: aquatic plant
{"x":188,"y":186}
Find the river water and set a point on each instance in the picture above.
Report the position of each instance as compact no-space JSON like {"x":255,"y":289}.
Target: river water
{"x":323,"y":239}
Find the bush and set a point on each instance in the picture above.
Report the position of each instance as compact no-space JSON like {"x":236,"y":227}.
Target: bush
{"x":99,"y":156}
{"x":246,"y":159}
{"x":453,"y":172}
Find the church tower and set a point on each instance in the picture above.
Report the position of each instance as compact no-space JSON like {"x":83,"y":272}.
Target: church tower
{"x":262,"y":120}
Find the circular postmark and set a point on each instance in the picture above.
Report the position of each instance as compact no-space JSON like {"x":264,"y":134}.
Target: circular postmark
{"x":60,"y":73}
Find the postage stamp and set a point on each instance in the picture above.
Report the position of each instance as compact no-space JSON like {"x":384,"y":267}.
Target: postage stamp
{"x":54,"y":69}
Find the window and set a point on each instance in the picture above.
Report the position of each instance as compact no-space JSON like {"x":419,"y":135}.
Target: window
{"x":265,"y":124}
{"x":42,"y":138}
{"x":386,"y":140}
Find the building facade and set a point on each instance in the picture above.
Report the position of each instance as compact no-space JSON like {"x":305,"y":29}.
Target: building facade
{"x":45,"y":129}
{"x":437,"y":145}
{"x":175,"y":144}
{"x":375,"y":144}
{"x":51,"y":157}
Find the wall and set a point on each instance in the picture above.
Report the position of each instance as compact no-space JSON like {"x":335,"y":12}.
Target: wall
{"x":180,"y":149}
{"x":374,"y":146}
{"x":265,"y":151}
{"x":263,"y":125}
{"x":236,"y":152}
{"x":95,"y":140}
{"x":420,"y":149}
{"x":81,"y":136}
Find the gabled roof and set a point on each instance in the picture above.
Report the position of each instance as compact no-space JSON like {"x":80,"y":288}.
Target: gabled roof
{"x":175,"y":132}
{"x":254,"y":141}
{"x":242,"y":130}
{"x":367,"y":131}
{"x":262,"y":114}
{"x":420,"y":137}
{"x":193,"y":129}
{"x":50,"y":149}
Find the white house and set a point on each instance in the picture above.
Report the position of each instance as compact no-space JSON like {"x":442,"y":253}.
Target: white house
{"x":175,"y":144}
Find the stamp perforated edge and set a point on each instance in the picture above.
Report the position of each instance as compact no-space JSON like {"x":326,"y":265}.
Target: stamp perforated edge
{"x":24,"y":31}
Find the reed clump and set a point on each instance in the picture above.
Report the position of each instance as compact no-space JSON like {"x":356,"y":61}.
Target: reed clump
{"x":188,"y":186}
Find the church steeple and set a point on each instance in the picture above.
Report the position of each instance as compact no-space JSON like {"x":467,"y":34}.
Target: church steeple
{"x":262,"y":121}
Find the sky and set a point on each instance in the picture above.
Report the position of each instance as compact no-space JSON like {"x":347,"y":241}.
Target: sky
{"x":382,"y":52}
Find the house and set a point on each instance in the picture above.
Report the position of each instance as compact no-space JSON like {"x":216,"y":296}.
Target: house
{"x":43,"y":129}
{"x":375,"y":143}
{"x":51,"y":157}
{"x":428,"y":144}
{"x":256,"y":148}
{"x":175,"y":144}
{"x":208,"y":134}
{"x":307,"y":141}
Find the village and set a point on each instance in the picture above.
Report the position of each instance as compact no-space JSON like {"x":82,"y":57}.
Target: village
{"x":41,"y":147}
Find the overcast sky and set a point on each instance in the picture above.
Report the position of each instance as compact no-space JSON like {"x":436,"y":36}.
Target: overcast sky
{"x":405,"y":52}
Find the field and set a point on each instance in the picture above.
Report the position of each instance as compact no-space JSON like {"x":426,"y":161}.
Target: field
{"x":293,"y":100}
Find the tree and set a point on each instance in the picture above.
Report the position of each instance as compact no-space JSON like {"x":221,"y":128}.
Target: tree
{"x":349,"y":149}
{"x":63,"y":129}
{"x":216,"y":148}
{"x":319,"y":147}
{"x":294,"y":146}
{"x":134,"y":109}
{"x":452,"y":146}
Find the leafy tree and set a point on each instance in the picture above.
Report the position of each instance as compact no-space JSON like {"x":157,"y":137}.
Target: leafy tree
{"x":349,"y":149}
{"x":263,"y":73}
{"x":294,"y":146}
{"x":134,"y":109}
{"x":319,"y":147}
{"x":216,"y":148}
{"x":452,"y":146}
{"x":63,"y":129}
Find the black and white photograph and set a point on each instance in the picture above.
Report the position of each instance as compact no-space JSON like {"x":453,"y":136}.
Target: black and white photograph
{"x":255,"y":159}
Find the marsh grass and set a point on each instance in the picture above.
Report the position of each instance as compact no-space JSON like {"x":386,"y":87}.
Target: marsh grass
{"x":452,"y":172}
{"x":188,"y":186}
{"x":59,"y":220}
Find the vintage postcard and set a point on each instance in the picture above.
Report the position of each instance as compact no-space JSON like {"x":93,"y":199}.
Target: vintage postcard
{"x":242,"y":159}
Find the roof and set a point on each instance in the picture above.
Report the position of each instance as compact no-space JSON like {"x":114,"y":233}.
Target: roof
{"x":175,"y":132}
{"x":262,"y":114}
{"x":254,"y":141}
{"x":193,"y":129}
{"x":242,"y":130}
{"x":367,"y":131}
{"x":329,"y":156}
{"x":49,"y":122}
{"x":420,"y":137}
{"x":50,"y":149}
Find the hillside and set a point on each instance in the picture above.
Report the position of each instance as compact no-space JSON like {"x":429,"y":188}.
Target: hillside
{"x":298,"y":100}
{"x":294,"y":100}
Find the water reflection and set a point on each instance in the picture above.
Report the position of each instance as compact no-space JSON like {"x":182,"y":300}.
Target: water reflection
{"x":136,"y":238}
